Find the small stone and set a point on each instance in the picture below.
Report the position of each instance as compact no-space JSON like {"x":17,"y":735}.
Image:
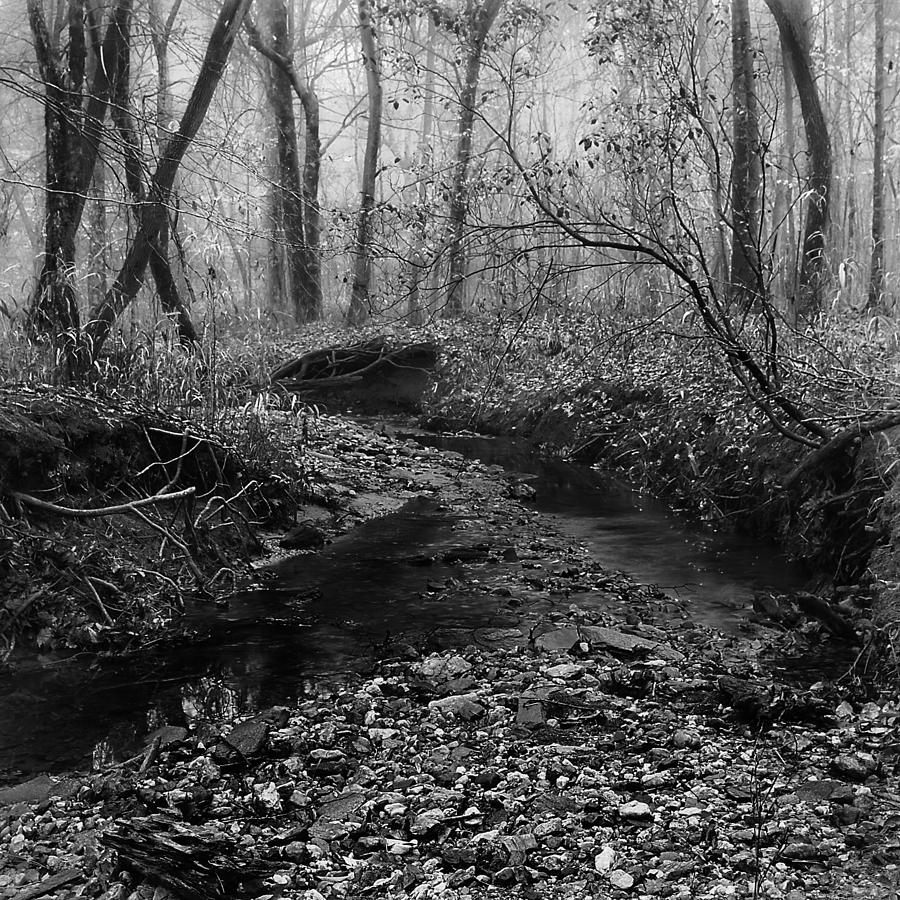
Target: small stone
{"x":682,"y":739}
{"x":635,"y":809}
{"x":621,"y":879}
{"x":604,"y":860}
{"x":427,"y":821}
{"x":558,"y":639}
{"x":460,"y":706}
{"x":855,"y":766}
{"x":565,"y":671}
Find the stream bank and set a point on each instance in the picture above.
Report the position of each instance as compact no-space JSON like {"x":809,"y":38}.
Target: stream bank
{"x":591,"y":740}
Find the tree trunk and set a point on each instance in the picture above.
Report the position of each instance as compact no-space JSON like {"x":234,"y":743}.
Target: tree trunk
{"x":72,"y":142}
{"x":876,"y":271}
{"x":54,"y":307}
{"x":792,"y":18}
{"x":131,"y":275}
{"x":362,"y":267}
{"x":312,"y":221}
{"x":747,"y":283}
{"x":281,"y":100}
{"x":479,"y":19}
{"x":282,"y":77}
{"x":160,"y":266}
{"x":419,"y":256}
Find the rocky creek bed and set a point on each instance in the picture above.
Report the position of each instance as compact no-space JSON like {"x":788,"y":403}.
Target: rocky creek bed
{"x":592,"y":741}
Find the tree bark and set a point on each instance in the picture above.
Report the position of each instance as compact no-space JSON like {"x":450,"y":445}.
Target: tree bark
{"x":479,"y":18}
{"x":73,"y":126}
{"x":131,"y":275}
{"x":792,"y":18}
{"x":876,"y":270}
{"x":299,"y":205}
{"x":160,"y":266}
{"x":747,"y":283}
{"x":362,"y":266}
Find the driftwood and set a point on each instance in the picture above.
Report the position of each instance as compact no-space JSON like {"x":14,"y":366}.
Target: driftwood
{"x":817,"y":608}
{"x":194,"y":865}
{"x":339,"y":366}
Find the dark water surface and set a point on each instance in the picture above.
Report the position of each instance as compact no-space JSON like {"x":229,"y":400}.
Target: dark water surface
{"x":719,"y":572}
{"x":328,"y":613}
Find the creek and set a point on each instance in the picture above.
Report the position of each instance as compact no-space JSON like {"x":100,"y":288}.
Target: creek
{"x":329,"y":614}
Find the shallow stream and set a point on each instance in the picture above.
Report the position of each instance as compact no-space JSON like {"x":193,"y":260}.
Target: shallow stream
{"x":326,"y":614}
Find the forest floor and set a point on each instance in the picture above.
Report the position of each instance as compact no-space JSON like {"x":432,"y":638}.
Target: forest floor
{"x":599,"y":744}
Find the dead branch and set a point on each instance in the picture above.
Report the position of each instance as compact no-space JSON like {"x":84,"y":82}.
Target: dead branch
{"x":838,"y":444}
{"x":76,"y":513}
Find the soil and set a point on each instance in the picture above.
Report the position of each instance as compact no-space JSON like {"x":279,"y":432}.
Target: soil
{"x":592,"y":743}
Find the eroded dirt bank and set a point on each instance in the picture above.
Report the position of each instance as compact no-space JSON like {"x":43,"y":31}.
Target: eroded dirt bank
{"x":591,"y":741}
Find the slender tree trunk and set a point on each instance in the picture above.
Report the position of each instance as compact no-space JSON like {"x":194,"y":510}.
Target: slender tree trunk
{"x":304,"y":203}
{"x":419,"y":255}
{"x":747,"y":283}
{"x":792,"y":250}
{"x":281,"y":99}
{"x":479,"y":17}
{"x":362,"y":266}
{"x":792,"y":19}
{"x":876,"y":271}
{"x":131,"y":275}
{"x":312,"y":219}
{"x":160,"y":265}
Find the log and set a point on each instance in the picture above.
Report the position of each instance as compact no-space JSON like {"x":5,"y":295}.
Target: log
{"x":192,"y":864}
{"x":817,"y":608}
{"x":336,"y":366}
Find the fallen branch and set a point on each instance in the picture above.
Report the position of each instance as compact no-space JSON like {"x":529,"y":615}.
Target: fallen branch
{"x":76,"y":513}
{"x":838,"y":444}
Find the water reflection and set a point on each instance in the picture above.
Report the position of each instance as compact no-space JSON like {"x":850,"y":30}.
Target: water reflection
{"x":625,"y":530}
{"x":328,"y":614}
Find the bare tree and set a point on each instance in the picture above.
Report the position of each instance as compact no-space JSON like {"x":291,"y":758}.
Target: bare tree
{"x":746,"y":175}
{"x":362,"y":266}
{"x":298,"y":199}
{"x":876,"y":272}
{"x":793,"y":19}
{"x":73,"y":121}
{"x":131,"y":275}
{"x":475,"y":25}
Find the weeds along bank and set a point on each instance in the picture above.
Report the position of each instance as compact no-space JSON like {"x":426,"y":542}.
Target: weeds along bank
{"x":120,"y":499}
{"x":663,"y":407}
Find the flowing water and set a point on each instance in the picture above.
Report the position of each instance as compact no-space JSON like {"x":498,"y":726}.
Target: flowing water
{"x":327,"y":614}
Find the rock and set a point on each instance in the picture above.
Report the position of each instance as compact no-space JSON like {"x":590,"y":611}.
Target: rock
{"x":682,"y":739}
{"x":531,"y":711}
{"x":621,"y":644}
{"x":621,"y":879}
{"x":327,"y":762}
{"x":799,"y":851}
{"x":558,"y":639}
{"x":636,"y":810}
{"x":249,"y":738}
{"x":855,"y":766}
{"x":565,"y":671}
{"x":519,"y":843}
{"x":304,"y":536}
{"x":341,"y":807}
{"x":427,"y":821}
{"x":32,"y":791}
{"x":605,"y":859}
{"x":825,"y":789}
{"x":438,"y":668}
{"x":460,"y":706}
